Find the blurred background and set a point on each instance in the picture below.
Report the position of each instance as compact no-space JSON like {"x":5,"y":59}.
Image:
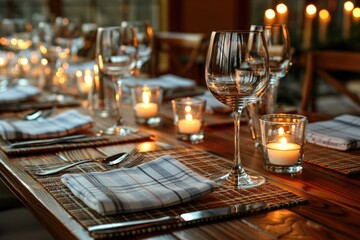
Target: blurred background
{"x":328,"y":25}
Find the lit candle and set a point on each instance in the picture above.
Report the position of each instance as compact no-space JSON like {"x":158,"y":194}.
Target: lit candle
{"x":348,"y":7}
{"x":146,"y":109}
{"x":283,"y":153}
{"x":356,"y":15}
{"x":275,"y":50}
{"x":310,"y":13}
{"x":189,"y":125}
{"x":84,"y":80}
{"x":269,"y":17}
{"x":282,"y":11}
{"x":324,"y":19}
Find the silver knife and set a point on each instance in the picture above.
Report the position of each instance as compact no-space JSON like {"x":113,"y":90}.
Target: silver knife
{"x":232,"y":210}
{"x":44,"y":142}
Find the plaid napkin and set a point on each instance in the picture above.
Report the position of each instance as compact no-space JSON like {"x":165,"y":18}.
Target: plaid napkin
{"x":340,"y":133}
{"x":18,"y":94}
{"x":66,"y":123}
{"x":160,"y":183}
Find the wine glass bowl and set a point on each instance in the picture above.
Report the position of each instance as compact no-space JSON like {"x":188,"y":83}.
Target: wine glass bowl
{"x":237,"y":72}
{"x":145,"y":38}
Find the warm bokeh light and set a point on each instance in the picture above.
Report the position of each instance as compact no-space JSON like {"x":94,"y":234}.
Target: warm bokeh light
{"x":311,"y":9}
{"x":348,"y":6}
{"x":270,"y":14}
{"x":281,"y":8}
{"x":356,"y":13}
{"x":324,"y":15}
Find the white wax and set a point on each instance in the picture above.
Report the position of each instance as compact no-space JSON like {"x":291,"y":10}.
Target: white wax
{"x":283,"y":153}
{"x":146,"y":110}
{"x":189,"y":126}
{"x":275,"y":50}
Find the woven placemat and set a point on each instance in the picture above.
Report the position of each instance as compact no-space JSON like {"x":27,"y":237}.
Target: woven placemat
{"x":91,"y":141}
{"x":347,"y":163}
{"x":202,"y":162}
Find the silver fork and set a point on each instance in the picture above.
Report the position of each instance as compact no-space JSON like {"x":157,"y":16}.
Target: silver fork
{"x":122,"y":158}
{"x":134,"y":162}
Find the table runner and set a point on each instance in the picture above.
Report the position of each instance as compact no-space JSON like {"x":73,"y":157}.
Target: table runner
{"x":91,"y":141}
{"x":347,"y":163}
{"x":204,"y":163}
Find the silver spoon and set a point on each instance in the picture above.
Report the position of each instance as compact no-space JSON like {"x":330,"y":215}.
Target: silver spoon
{"x":39,"y":114}
{"x":109,"y":160}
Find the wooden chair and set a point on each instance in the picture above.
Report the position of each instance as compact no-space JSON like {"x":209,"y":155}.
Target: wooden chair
{"x":182,"y":54}
{"x":323,"y":64}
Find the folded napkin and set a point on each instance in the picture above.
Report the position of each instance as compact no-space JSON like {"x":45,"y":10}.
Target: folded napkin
{"x":18,"y":94}
{"x":65,"y":123}
{"x":167,"y":81}
{"x":160,"y":183}
{"x":340,"y":133}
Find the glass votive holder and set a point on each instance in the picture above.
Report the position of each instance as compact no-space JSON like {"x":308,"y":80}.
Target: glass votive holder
{"x":189,"y":118}
{"x":84,"y":81}
{"x":146,"y":101}
{"x":283,"y":140}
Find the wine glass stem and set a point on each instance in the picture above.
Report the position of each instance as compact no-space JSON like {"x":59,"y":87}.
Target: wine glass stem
{"x":272,"y":94}
{"x":237,"y":168}
{"x":118,"y":95}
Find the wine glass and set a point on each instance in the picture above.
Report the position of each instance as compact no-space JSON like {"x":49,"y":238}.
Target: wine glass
{"x":57,"y":43}
{"x":237,"y":72}
{"x":116,"y":51}
{"x":278,"y":42}
{"x":145,"y":37}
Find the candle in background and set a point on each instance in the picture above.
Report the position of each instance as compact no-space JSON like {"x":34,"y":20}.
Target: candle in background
{"x":269,"y":17}
{"x":356,"y":15}
{"x":84,"y":81}
{"x":282,"y":13}
{"x":324,"y":19}
{"x":348,"y":7}
{"x":146,"y":109}
{"x":310,"y":13}
{"x":189,"y":125}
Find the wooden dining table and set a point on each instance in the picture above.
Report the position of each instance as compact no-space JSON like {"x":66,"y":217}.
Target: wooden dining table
{"x":329,"y":209}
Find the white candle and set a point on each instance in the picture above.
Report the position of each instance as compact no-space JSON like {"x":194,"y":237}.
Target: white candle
{"x":348,"y":7}
{"x":146,"y":109}
{"x":283,"y":153}
{"x":282,"y":11}
{"x":189,"y":125}
{"x":269,"y":16}
{"x":307,"y":34}
{"x":275,"y":50}
{"x":324,"y":19}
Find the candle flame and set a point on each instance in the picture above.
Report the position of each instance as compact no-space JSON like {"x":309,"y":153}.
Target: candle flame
{"x":270,"y":14}
{"x":324,"y":15}
{"x":281,"y":131}
{"x":146,"y":95}
{"x":311,"y":9}
{"x":348,"y":6}
{"x":188,"y":117}
{"x":283,"y":141}
{"x":356,"y":12}
{"x":281,"y":8}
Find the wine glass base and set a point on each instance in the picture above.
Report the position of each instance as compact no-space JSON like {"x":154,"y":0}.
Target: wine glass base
{"x":241,"y":181}
{"x":118,"y":131}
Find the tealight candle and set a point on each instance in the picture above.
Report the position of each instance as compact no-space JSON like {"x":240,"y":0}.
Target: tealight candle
{"x":283,"y":153}
{"x":189,"y":125}
{"x":146,"y":109}
{"x":146,"y":102}
{"x":188,"y":118}
{"x":283,"y":139}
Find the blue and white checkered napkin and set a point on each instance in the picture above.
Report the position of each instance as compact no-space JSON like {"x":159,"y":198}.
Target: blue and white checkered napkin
{"x":65,"y":123}
{"x":340,"y":133}
{"x":18,"y":94}
{"x":160,"y":183}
